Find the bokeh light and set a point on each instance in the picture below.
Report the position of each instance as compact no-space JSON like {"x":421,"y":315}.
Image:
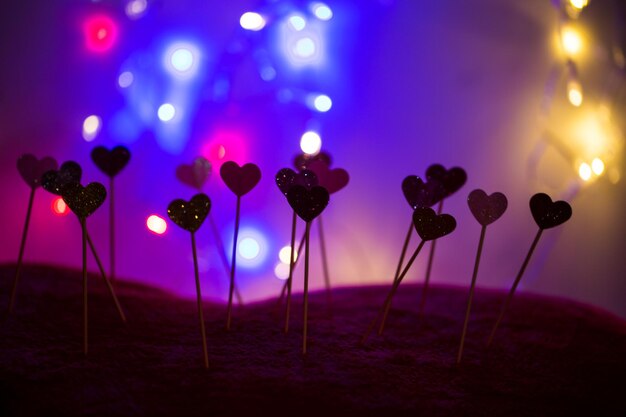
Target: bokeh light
{"x":578,"y":4}
{"x":136,"y":8}
{"x":321,"y":11}
{"x":571,"y":40}
{"x":248,"y":248}
{"x":181,"y":59}
{"x":59,"y":207}
{"x":252,"y":21}
{"x":322,"y":103}
{"x":125,"y":79}
{"x":304,"y":48}
{"x":297,"y":22}
{"x":575,"y":93}
{"x":166,"y":112}
{"x":310,"y":143}
{"x":156,"y":224}
{"x":252,"y":248}
{"x":584,"y":171}
{"x":285,"y":253}
{"x":100,"y":33}
{"x":91,"y":127}
{"x":281,"y":271}
{"x":597,"y":166}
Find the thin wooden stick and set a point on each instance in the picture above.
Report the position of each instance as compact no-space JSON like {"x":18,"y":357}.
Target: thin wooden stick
{"x":83,"y":224}
{"x":233,"y":263}
{"x":291,"y":265}
{"x":222,"y":252}
{"x":396,"y":283}
{"x":471,"y":293}
{"x":405,"y":246}
{"x":329,"y":295}
{"x":112,"y":230}
{"x":515,"y":283}
{"x":431,"y":257}
{"x":104,"y":277}
{"x":199,"y":295}
{"x":295,"y":262}
{"x":306,"y":286}
{"x":20,"y":257}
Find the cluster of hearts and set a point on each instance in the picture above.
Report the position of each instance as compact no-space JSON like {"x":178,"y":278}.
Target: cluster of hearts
{"x":308,"y":193}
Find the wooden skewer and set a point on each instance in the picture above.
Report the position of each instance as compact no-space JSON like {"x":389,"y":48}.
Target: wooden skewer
{"x":471,"y":293}
{"x":112,"y":230}
{"x":222,"y":252}
{"x":383,"y":312}
{"x":329,"y":295}
{"x":233,"y":264}
{"x":514,"y":287}
{"x":83,"y":223}
{"x":306,"y":286}
{"x":20,"y":257}
{"x":405,"y":246}
{"x":199,"y":296}
{"x":295,"y":262}
{"x":291,"y":266}
{"x":431,"y":257}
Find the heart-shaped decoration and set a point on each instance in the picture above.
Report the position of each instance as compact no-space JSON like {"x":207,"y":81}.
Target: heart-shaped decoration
{"x":331,"y":179}
{"x":195,"y":174}
{"x":54,"y":180}
{"x":549,"y":214}
{"x":308,"y":204}
{"x":430,"y":225}
{"x":303,"y":160}
{"x":240,"y":180}
{"x":31,"y":169}
{"x":422,"y":194}
{"x":287,"y":178}
{"x":83,"y":201}
{"x":486,"y":208}
{"x":110,"y":162}
{"x":190,"y":215}
{"x":452,"y":179}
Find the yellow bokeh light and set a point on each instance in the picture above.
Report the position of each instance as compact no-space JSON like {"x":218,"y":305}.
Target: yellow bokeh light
{"x":575,"y":96}
{"x":578,"y":4}
{"x":584,"y":171}
{"x":285,"y":254}
{"x":597,"y":166}
{"x":571,"y":40}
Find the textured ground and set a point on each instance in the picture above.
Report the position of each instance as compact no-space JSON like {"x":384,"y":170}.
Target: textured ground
{"x":551,"y":358}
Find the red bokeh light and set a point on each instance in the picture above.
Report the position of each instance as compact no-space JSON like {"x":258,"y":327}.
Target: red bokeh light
{"x":225,"y":144}
{"x":100,"y":33}
{"x":59,"y":207}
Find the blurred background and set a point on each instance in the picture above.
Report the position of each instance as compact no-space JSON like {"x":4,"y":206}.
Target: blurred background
{"x":527,"y":96}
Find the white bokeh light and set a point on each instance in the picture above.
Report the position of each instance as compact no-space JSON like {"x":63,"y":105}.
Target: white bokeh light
{"x":91,"y":127}
{"x":310,"y":143}
{"x":166,"y":112}
{"x":252,"y":21}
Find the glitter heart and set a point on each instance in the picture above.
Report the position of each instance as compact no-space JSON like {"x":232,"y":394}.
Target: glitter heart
{"x":110,"y":162}
{"x":83,"y":201}
{"x":240,"y":180}
{"x":452,"y":179}
{"x":31,"y":169}
{"x":303,"y":160}
{"x":190,"y":215}
{"x":422,"y":194}
{"x":287,"y":178}
{"x":195,"y":174}
{"x":486,"y":208}
{"x":331,"y":179}
{"x":431,"y":226}
{"x":54,"y":180}
{"x":549,"y":214}
{"x":308,"y":204}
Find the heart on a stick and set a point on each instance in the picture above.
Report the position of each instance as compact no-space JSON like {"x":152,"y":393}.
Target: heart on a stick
{"x":195,"y":174}
{"x":486,"y":208}
{"x":430,"y":225}
{"x":331,"y":179}
{"x":452,"y":179}
{"x":190,"y":214}
{"x":32,"y":169}
{"x":287,"y":178}
{"x":54,"y":180}
{"x":308,"y":204}
{"x":83,"y":201}
{"x":240,"y":180}
{"x":547,"y":213}
{"x":422,"y":194}
{"x":111,"y":162}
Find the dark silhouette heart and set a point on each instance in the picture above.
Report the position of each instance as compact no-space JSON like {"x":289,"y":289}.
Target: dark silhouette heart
{"x":110,"y":162}
{"x":189,"y":215}
{"x":422,"y":194}
{"x":287,"y":178}
{"x":83,"y":201}
{"x":486,"y":208}
{"x":331,"y":179}
{"x":54,"y":180}
{"x":308,"y":204}
{"x":195,"y":174}
{"x":549,"y":214}
{"x":452,"y":179}
{"x":31,"y":169}
{"x":240,"y":180}
{"x":431,"y":226}
{"x":303,"y":160}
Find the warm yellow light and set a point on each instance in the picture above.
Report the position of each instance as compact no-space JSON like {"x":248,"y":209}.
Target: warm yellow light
{"x":578,"y":4}
{"x":597,"y":166}
{"x":571,"y":40}
{"x":575,"y":93}
{"x":584,"y":171}
{"x":285,"y":255}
